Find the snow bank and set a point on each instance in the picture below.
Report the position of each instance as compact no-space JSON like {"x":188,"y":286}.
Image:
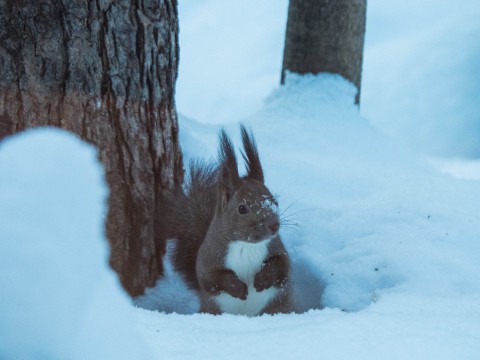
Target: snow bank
{"x":386,"y":243}
{"x":370,"y":213}
{"x":59,"y":298}
{"x":378,"y":217}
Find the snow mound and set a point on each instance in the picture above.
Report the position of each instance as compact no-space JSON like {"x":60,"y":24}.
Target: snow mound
{"x":375,"y":216}
{"x":371,"y":217}
{"x":387,"y":244}
{"x":59,"y":297}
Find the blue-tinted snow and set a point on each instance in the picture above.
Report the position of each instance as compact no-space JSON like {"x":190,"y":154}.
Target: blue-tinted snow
{"x":59,"y":298}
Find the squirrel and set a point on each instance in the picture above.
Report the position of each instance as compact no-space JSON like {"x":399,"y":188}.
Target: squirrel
{"x":227,"y":231}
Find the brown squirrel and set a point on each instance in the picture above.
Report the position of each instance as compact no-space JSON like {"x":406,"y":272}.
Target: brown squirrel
{"x":226,"y":227}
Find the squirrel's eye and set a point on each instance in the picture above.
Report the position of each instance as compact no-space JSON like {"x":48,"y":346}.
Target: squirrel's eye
{"x":242,"y":209}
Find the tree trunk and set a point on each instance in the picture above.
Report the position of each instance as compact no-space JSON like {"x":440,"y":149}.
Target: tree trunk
{"x":325,"y":36}
{"x":105,"y":70}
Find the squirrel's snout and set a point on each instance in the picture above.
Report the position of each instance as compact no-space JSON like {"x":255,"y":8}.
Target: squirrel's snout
{"x":274,"y":226}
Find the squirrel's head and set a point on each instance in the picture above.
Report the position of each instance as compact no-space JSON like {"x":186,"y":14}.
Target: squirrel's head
{"x":246,"y":210}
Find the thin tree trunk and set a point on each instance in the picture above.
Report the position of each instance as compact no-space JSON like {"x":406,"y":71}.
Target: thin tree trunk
{"x":105,"y":70}
{"x":325,"y":36}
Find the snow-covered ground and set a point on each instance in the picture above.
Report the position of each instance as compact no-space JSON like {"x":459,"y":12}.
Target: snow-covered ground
{"x":387,"y":248}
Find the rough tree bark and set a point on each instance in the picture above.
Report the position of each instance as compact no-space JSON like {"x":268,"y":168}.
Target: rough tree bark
{"x":106,"y":70}
{"x":325,"y":36}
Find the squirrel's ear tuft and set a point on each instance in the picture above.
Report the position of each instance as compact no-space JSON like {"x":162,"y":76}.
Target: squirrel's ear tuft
{"x":226,"y":186}
{"x":250,"y":155}
{"x":229,"y":177}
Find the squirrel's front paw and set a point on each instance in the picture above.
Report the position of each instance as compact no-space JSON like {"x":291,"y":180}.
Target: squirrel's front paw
{"x":264,"y":279}
{"x":237,"y":288}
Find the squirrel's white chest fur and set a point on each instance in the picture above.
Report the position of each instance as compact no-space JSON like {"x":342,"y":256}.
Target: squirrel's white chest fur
{"x":246,"y":260}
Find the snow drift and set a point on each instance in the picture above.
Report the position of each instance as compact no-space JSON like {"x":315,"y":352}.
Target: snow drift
{"x":385,"y":243}
{"x":60,"y":300}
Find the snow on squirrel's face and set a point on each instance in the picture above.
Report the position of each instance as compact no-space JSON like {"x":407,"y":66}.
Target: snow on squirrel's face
{"x":252,"y":212}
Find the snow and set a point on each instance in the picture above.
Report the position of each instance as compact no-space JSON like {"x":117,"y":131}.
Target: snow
{"x":458,"y":167}
{"x":231,"y":56}
{"x":170,"y":293}
{"x":421,"y":74}
{"x":419,"y":331}
{"x":386,"y":248}
{"x":385,"y":253}
{"x":60,"y":300}
{"x":420,"y":71}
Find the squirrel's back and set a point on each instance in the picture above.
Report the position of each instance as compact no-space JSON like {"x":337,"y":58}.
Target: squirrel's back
{"x":189,"y":215}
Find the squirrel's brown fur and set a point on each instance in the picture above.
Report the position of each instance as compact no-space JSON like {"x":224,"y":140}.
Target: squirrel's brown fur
{"x":219,"y":208}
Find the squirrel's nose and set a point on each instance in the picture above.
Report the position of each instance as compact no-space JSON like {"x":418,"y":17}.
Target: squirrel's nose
{"x":274,"y":226}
